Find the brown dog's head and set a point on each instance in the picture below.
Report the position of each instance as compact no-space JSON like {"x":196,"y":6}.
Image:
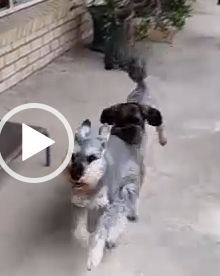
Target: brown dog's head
{"x":128,"y":120}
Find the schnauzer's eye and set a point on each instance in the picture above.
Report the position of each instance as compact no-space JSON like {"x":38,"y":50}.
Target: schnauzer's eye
{"x":91,"y":158}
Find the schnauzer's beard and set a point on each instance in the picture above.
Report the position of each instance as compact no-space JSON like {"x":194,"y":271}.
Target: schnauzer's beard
{"x":94,"y":173}
{"x":90,"y":179}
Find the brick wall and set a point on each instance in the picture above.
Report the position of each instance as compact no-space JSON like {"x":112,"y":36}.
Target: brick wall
{"x":31,"y":38}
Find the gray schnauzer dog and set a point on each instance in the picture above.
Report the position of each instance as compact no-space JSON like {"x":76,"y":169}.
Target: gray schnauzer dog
{"x":108,"y":168}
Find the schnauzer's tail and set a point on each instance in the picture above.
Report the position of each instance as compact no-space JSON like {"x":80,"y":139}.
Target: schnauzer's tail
{"x":136,"y":70}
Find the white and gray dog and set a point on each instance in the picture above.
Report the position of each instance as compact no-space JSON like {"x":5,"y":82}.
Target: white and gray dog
{"x":107,"y":168}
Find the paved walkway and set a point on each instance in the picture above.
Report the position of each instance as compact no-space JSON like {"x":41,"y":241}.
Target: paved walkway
{"x":179,"y":229}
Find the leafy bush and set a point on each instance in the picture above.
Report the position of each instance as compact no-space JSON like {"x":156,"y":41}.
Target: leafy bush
{"x":176,"y":12}
{"x":164,"y":13}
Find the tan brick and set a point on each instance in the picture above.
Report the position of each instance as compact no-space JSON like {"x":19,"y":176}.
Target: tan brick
{"x":12,"y":56}
{"x":37,"y":34}
{"x":45,"y":60}
{"x":58,"y":32}
{"x":71,"y":43}
{"x":61,"y":21}
{"x":62,"y":40}
{"x":34,"y":56}
{"x":26,"y":30}
{"x":21,"y":63}
{"x":58,"y":52}
{"x":48,"y":19}
{"x":3,"y":86}
{"x":25,"y":50}
{"x":31,"y":37}
{"x":6,"y":49}
{"x":37,"y":24}
{"x":48,"y":37}
{"x":44,"y":50}
{"x":68,"y":26}
{"x":36,"y":65}
{"x":43,"y":31}
{"x":16,"y":78}
{"x":66,"y":38}
{"x":2,"y":62}
{"x":28,"y":70}
{"x":18,"y":43}
{"x":54,"y":44}
{"x":66,"y":47}
{"x":8,"y":71}
{"x":37,"y":43}
{"x":40,"y":63}
{"x":50,"y":57}
{"x":53,"y":25}
{"x":8,"y":37}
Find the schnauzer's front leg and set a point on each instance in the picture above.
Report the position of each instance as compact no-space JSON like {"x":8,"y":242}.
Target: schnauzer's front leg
{"x":96,"y":248}
{"x":110,"y":227}
{"x":116,"y":229}
{"x":98,"y":233}
{"x":78,"y":228}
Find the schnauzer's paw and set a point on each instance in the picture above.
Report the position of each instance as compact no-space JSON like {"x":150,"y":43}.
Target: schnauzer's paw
{"x":132,"y":218}
{"x":94,"y":260}
{"x":95,"y":255}
{"x":110,"y":244}
{"x":162,"y":140}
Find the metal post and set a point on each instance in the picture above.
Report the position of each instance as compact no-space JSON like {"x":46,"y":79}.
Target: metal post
{"x":11,"y":4}
{"x":48,"y":150}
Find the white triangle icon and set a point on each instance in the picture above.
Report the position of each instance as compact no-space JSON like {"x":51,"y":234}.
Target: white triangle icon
{"x":33,"y":142}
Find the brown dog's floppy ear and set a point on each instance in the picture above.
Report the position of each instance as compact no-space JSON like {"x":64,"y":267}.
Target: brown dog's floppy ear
{"x":109,"y":115}
{"x":152,"y":115}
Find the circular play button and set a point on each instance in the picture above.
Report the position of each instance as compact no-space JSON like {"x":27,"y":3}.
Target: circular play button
{"x":32,"y":137}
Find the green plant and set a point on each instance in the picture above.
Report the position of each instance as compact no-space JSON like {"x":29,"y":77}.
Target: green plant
{"x":162,"y":14}
{"x":141,"y":29}
{"x":176,"y":12}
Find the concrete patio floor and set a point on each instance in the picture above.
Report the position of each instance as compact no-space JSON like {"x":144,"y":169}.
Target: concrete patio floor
{"x":178,"y":233}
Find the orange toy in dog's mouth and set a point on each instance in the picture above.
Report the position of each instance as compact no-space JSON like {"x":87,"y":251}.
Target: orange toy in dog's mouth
{"x":78,"y":187}
{"x":81,"y":188}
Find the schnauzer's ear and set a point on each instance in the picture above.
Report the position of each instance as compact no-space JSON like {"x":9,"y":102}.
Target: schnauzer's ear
{"x":84,"y":131}
{"x":109,"y":115}
{"x":152,"y":115}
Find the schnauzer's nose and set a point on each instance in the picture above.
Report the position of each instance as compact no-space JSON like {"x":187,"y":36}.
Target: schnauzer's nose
{"x":77,"y":171}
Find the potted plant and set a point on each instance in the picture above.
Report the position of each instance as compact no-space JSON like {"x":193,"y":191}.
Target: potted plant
{"x":102,"y":13}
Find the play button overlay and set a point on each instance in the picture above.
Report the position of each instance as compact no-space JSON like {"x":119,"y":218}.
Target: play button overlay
{"x":34,"y":142}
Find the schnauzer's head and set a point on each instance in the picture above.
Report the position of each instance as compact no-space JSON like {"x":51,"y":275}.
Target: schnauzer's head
{"x":87,"y":165}
{"x":128,"y":120}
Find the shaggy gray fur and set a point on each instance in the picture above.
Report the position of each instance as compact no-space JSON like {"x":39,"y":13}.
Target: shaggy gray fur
{"x":122,"y":178}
